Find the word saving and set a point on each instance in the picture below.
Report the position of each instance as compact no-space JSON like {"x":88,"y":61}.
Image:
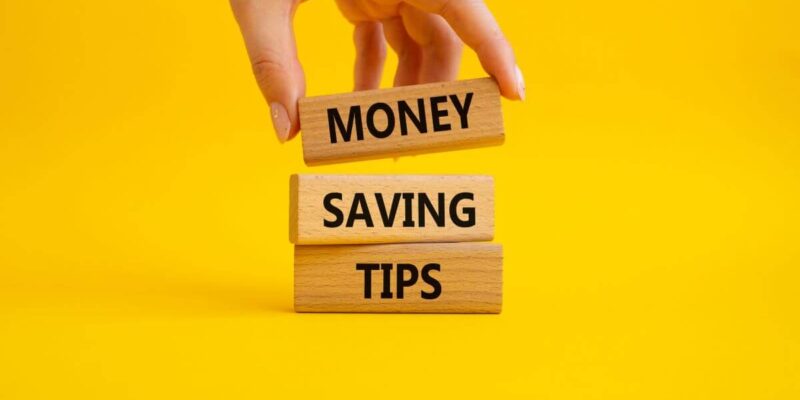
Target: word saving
{"x":360,"y":211}
{"x":402,"y":281}
{"x":402,"y":113}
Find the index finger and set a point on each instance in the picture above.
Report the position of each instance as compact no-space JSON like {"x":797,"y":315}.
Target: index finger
{"x":474,"y":24}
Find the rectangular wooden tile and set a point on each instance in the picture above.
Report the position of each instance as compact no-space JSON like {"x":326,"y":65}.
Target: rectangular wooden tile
{"x":401,"y":121}
{"x":351,"y":209}
{"x":399,"y":278}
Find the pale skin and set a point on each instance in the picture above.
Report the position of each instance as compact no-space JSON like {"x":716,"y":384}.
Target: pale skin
{"x":426,"y":35}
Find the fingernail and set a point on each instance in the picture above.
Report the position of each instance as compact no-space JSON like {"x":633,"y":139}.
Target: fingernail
{"x":520,"y":84}
{"x":280,"y":121}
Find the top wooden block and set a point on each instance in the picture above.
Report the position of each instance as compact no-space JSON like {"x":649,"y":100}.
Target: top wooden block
{"x":401,"y":121}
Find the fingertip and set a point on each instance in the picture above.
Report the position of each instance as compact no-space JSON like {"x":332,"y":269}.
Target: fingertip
{"x":499,"y":62}
{"x":293,"y":132}
{"x":509,"y":79}
{"x":280,"y":121}
{"x":520,"y":83}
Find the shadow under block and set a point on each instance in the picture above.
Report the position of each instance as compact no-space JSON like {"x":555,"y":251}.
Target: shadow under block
{"x":401,"y":121}
{"x":353,"y":209}
{"x":399,"y":278}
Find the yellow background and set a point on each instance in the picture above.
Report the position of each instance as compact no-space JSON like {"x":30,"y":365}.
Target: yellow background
{"x":648,"y":200}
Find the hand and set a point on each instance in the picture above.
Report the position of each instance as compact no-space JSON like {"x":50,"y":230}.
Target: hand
{"x":425,"y":34}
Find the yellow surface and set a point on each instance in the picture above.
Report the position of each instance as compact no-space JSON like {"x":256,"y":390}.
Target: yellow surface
{"x":648,"y":201}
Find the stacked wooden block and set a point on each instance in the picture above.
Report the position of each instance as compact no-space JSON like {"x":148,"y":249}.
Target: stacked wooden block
{"x":397,"y":243}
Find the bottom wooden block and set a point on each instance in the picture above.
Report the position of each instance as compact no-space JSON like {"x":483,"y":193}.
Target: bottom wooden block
{"x":399,"y":278}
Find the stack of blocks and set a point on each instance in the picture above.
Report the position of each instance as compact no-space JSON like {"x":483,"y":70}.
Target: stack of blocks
{"x":397,"y":243}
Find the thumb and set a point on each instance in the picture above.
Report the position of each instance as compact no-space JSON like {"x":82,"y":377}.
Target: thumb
{"x":267,"y":30}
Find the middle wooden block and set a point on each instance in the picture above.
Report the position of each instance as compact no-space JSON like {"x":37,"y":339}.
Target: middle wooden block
{"x":350,"y":209}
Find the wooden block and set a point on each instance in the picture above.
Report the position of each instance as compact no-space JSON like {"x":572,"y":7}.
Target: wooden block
{"x":401,"y":121}
{"x":399,"y":278}
{"x":349,"y":209}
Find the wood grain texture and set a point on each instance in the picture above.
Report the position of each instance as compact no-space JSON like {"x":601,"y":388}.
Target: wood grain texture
{"x":470,"y":277}
{"x":484,"y":121}
{"x":462,"y":196}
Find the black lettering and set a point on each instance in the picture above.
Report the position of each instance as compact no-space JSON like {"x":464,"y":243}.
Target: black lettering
{"x":437,"y":114}
{"x":435,"y":284}
{"x":359,"y":201}
{"x":354,"y":118}
{"x":469,"y":211}
{"x":380,"y":134}
{"x":436,"y":213}
{"x":367,"y":268}
{"x":402,"y":282}
{"x":462,"y":111}
{"x":424,"y":209}
{"x":388,"y":219}
{"x":409,"y":221}
{"x":387,"y":281}
{"x":419,"y":121}
{"x":328,"y":203}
